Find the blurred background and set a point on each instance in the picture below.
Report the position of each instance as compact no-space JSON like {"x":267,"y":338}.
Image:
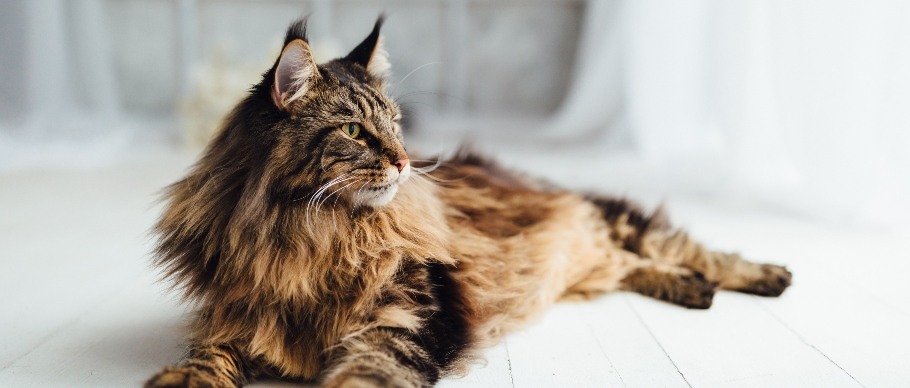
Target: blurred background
{"x":795,"y":106}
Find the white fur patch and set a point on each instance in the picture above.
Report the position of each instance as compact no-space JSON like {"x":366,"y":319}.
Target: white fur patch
{"x":379,"y":65}
{"x":300,"y":84}
{"x":404,"y":174}
{"x":378,"y":198}
{"x":295,"y":73}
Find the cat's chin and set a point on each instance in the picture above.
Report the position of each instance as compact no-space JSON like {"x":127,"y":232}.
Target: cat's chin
{"x":376,"y":196}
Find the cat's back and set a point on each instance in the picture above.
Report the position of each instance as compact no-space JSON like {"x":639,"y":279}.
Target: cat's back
{"x":499,"y":203}
{"x":519,"y":243}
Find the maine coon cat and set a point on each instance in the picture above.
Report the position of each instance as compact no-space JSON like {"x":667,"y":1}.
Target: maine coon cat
{"x":315,"y":250}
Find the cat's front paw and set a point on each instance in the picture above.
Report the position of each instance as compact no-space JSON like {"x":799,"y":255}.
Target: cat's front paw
{"x":184,"y":377}
{"x":366,"y":379}
{"x":695,"y":292}
{"x":773,"y":281}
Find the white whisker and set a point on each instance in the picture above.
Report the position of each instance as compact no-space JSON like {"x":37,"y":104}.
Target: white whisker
{"x":401,"y":81}
{"x":426,"y":176}
{"x":319,"y":206}
{"x":318,"y":194}
{"x":356,"y":195}
{"x":429,"y":168}
{"x":335,"y":203}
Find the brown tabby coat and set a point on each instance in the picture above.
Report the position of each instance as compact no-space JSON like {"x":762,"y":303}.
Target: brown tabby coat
{"x":314,"y":255}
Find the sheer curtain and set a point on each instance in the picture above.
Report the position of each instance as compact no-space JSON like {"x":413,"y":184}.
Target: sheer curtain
{"x":799,"y":104}
{"x":60,"y":100}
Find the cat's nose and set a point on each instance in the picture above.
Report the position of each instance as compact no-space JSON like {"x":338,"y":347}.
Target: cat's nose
{"x":402,"y":163}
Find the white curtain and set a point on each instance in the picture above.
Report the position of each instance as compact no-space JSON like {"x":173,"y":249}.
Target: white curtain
{"x":796,"y":104}
{"x":63,"y":107}
{"x":799,"y":104}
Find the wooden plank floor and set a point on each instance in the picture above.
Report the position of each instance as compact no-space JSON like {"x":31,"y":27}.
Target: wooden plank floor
{"x":80,"y":305}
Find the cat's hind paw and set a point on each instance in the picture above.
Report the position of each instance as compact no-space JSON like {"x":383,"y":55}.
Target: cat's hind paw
{"x":773,"y":281}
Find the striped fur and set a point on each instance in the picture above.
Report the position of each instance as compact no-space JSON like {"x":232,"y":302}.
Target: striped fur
{"x":294,"y":275}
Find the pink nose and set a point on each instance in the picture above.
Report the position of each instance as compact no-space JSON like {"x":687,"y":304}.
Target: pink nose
{"x":402,"y":163}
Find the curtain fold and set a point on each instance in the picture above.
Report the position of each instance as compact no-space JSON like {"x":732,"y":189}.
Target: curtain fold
{"x":799,"y":104}
{"x":64,"y":80}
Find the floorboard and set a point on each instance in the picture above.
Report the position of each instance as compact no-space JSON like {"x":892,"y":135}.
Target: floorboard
{"x":494,"y":370}
{"x":735,"y":343}
{"x":632,"y":350}
{"x":560,"y":350}
{"x":864,"y":337}
{"x":119,"y":343}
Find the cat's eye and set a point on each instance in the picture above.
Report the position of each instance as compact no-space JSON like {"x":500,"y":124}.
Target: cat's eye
{"x":352,"y":130}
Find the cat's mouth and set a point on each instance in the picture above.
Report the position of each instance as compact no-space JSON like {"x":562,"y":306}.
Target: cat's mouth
{"x":381,"y":187}
{"x":376,"y":195}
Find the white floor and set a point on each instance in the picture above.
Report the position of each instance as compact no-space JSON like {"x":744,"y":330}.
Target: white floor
{"x":80,"y":306}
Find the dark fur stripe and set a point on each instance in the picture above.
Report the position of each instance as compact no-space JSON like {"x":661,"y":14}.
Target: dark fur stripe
{"x":413,"y":359}
{"x":446,"y":334}
{"x":314,"y":143}
{"x":208,"y":369}
{"x":614,"y":209}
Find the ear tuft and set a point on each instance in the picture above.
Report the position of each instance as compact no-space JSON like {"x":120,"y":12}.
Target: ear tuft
{"x":297,"y":30}
{"x":295,"y":73}
{"x":370,"y":53}
{"x":379,"y":65}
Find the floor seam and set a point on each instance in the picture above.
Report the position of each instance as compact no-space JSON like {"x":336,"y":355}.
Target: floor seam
{"x":604,"y":352}
{"x":509,"y":360}
{"x":803,"y":340}
{"x":661,"y":346}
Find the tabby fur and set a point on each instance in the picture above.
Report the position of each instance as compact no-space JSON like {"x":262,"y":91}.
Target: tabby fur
{"x":319,"y":256}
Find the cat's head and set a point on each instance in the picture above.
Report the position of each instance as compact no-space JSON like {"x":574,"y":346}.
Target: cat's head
{"x":335,"y":134}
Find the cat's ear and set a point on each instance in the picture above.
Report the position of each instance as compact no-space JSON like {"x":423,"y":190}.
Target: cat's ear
{"x":371,"y":54}
{"x":295,"y":73}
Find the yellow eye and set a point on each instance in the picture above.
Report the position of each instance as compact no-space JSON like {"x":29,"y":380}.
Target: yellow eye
{"x":351,"y":129}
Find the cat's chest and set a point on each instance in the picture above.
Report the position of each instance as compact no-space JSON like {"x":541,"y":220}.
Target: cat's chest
{"x":380,"y":295}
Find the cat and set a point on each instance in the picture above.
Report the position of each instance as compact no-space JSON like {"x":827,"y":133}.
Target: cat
{"x":315,"y":250}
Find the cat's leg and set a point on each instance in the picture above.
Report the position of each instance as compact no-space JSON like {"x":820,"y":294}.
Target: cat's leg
{"x":673,"y":284}
{"x":205,"y":366}
{"x":730,"y":270}
{"x":650,"y":235}
{"x":382,"y":357}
